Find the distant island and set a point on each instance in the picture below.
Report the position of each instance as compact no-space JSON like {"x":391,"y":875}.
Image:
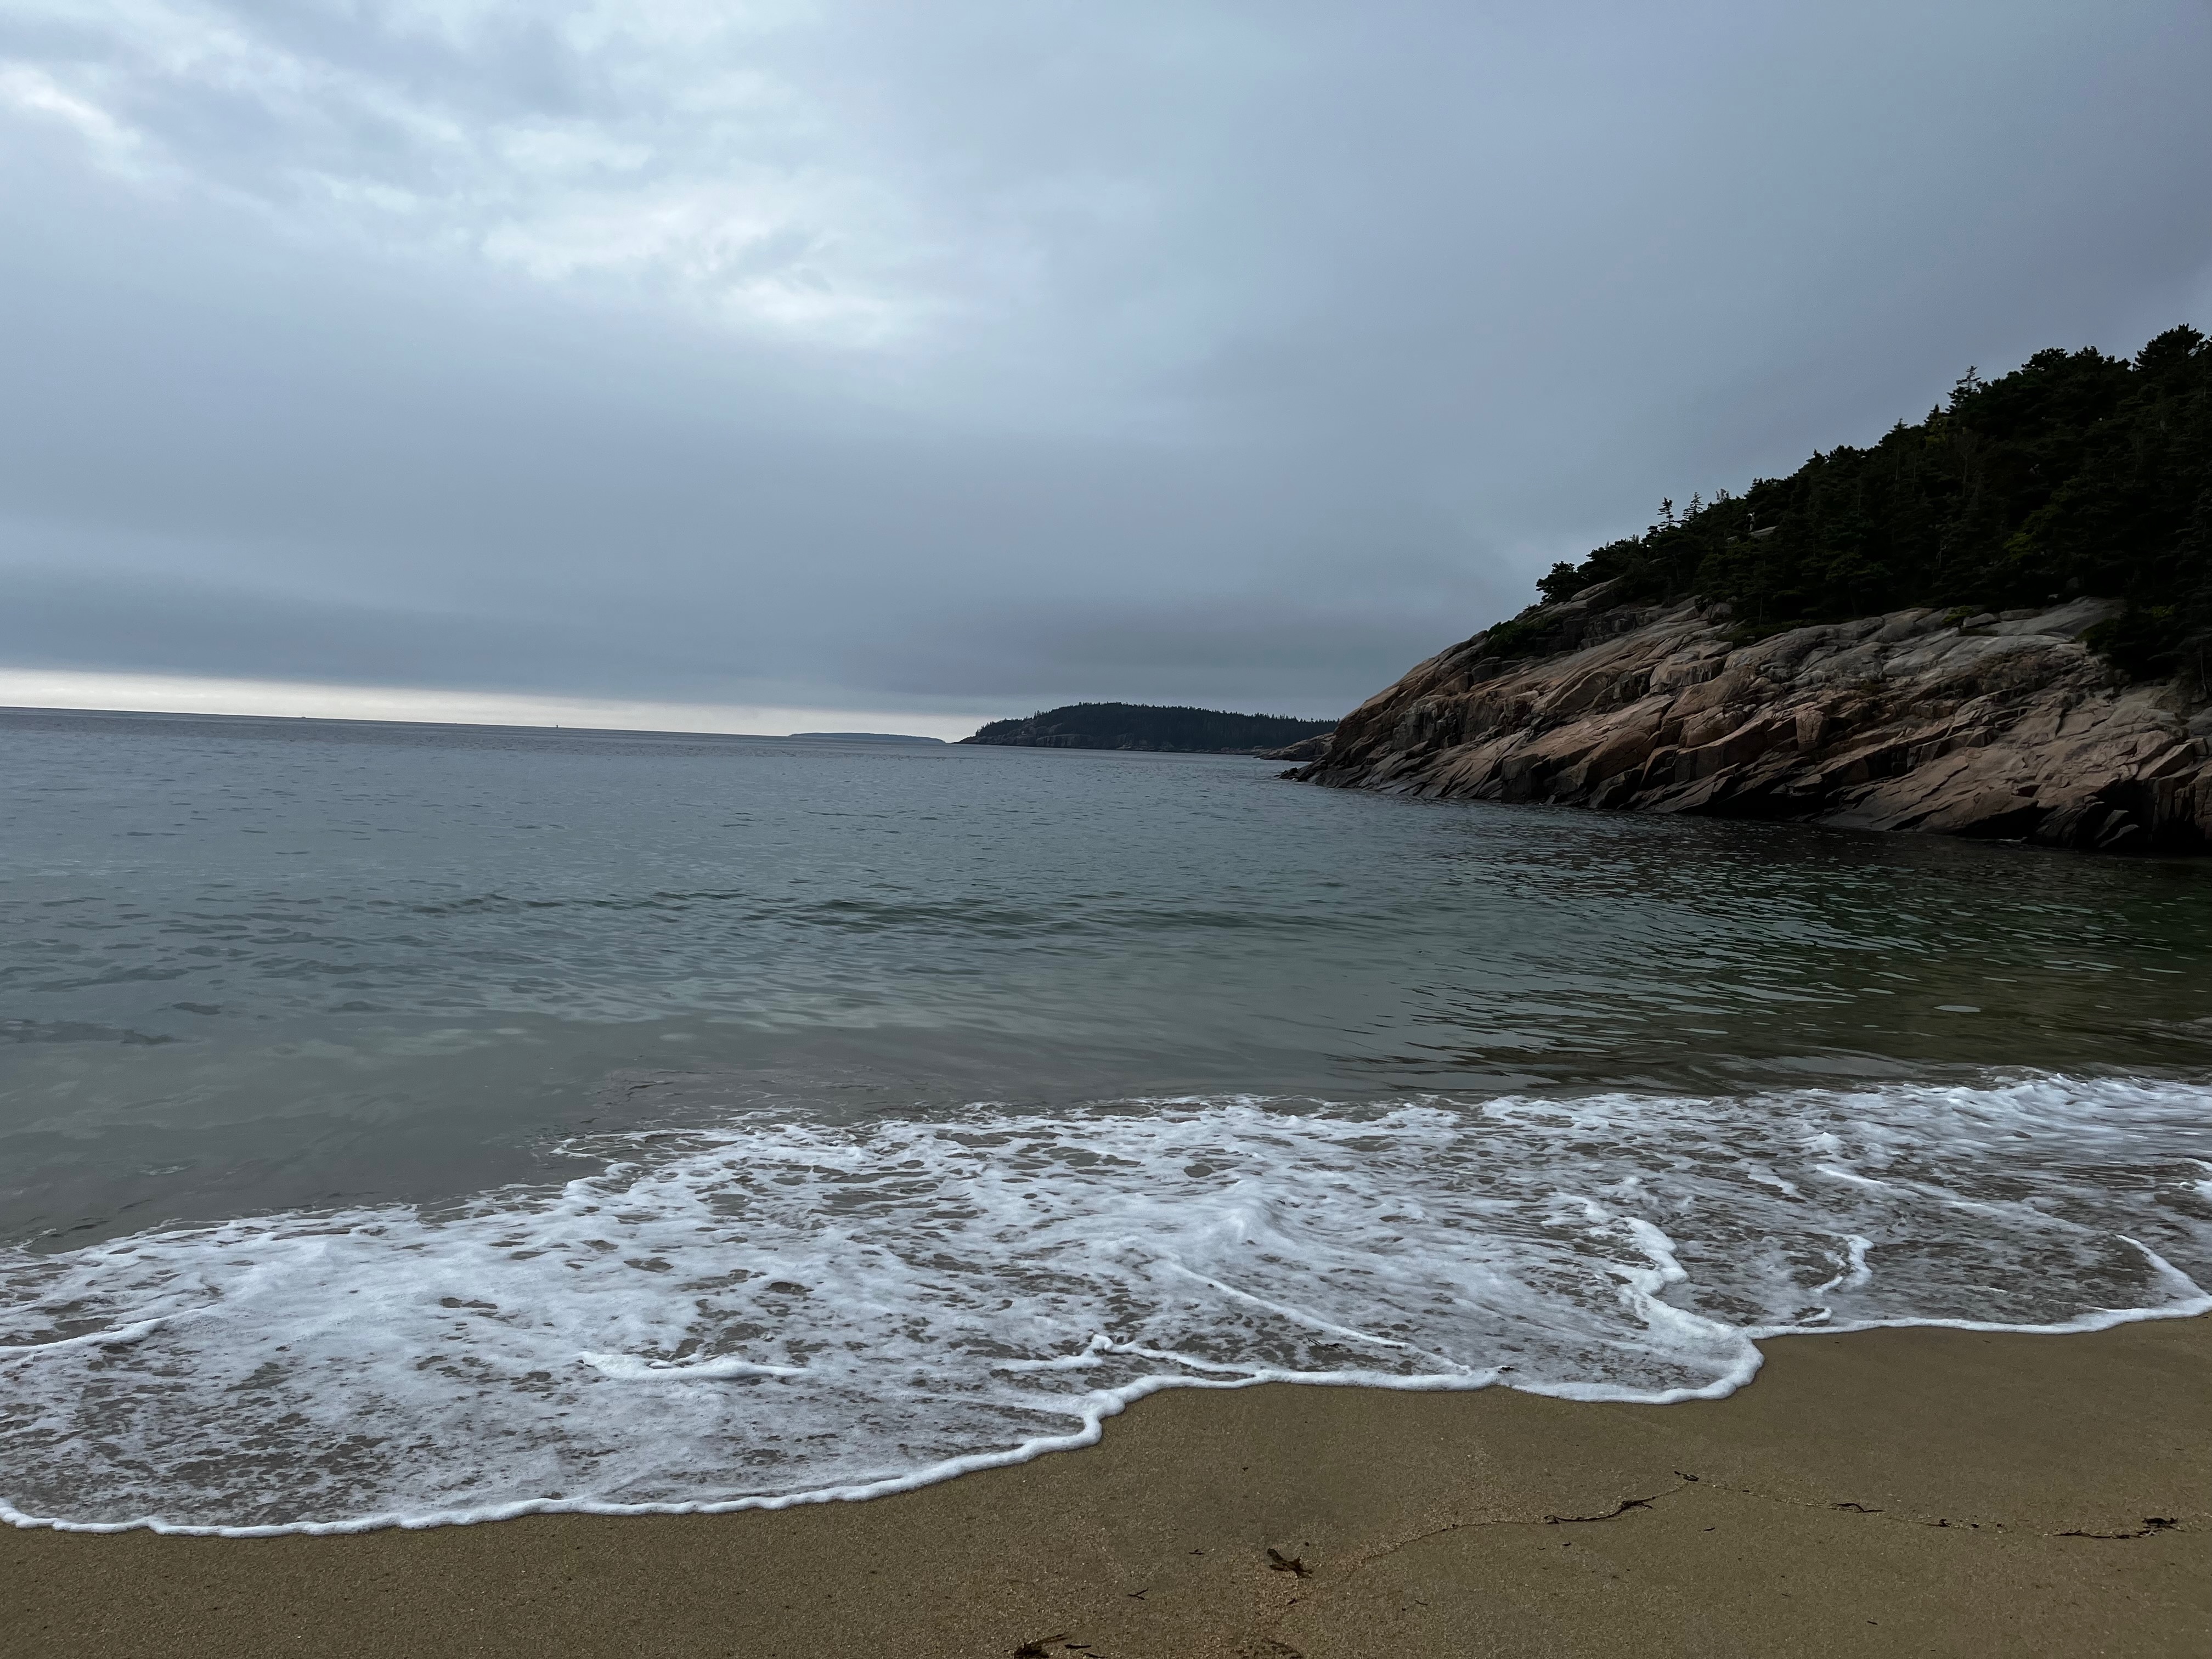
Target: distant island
{"x":1142,"y":725}
{"x":864,"y":737}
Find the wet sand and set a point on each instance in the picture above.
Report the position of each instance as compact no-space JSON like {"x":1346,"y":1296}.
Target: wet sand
{"x":1889,"y":1493}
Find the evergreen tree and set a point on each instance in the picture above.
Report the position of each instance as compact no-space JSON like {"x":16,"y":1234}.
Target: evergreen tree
{"x":2075,"y":474}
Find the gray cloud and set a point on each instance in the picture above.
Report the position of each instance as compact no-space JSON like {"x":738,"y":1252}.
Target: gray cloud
{"x":978,"y":357}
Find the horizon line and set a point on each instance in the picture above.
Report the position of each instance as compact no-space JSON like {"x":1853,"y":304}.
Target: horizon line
{"x":97,"y":692}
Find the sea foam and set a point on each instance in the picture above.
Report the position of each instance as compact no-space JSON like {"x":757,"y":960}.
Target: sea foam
{"x":791,"y":1307}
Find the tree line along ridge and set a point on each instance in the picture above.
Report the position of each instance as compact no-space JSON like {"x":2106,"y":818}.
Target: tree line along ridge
{"x":2075,"y":474}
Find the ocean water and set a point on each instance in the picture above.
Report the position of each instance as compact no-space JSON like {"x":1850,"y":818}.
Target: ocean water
{"x":404,"y":1125}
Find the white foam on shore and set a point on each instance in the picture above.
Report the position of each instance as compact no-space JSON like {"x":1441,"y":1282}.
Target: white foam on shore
{"x":792,"y":1309}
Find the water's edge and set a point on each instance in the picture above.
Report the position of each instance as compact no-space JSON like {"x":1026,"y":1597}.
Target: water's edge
{"x":802,"y":1304}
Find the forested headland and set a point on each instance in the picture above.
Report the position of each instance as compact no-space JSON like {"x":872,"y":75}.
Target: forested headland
{"x":2076,"y":474}
{"x":1142,"y":725}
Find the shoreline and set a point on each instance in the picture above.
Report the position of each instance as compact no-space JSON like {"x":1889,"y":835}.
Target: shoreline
{"x":1081,"y":1439}
{"x":1917,"y":1489}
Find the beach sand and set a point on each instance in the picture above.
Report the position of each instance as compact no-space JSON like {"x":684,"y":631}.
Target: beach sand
{"x":1914,"y":1491}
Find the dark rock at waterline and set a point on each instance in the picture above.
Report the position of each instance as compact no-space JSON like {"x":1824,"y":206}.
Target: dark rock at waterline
{"x":1305,"y":749}
{"x":2001,"y":726}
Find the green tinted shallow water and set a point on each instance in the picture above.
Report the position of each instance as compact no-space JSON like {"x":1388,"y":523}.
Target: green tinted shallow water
{"x":405,"y":1125}
{"x":246,"y":965}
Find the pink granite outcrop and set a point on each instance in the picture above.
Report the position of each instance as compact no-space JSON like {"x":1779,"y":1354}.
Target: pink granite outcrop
{"x":2001,"y":726}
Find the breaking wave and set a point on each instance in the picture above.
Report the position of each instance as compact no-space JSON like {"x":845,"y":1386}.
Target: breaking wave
{"x":795,"y":1306}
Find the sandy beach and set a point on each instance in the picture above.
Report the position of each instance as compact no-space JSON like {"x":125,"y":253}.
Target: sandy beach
{"x":1921,"y":1492}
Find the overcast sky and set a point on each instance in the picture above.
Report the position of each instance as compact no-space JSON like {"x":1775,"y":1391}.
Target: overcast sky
{"x":785,"y":362}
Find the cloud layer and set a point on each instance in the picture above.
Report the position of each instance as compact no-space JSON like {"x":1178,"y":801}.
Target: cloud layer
{"x":968,"y":358}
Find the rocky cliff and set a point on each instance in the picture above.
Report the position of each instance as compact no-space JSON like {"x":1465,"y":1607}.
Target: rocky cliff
{"x":1998,"y":726}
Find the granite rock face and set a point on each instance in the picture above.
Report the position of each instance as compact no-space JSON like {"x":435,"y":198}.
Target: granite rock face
{"x":1305,"y":749}
{"x":2001,"y":726}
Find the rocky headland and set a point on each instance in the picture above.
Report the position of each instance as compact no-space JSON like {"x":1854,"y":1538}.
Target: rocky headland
{"x":1996,"y":724}
{"x":2028,"y":574}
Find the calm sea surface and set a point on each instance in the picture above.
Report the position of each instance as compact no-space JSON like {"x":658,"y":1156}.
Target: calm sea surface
{"x":401,"y":1123}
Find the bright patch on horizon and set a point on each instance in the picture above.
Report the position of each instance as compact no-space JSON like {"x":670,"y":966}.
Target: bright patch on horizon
{"x":183,"y":694}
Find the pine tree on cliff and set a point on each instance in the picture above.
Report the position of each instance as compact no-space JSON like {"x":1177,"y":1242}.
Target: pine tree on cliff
{"x":2077,"y":473}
